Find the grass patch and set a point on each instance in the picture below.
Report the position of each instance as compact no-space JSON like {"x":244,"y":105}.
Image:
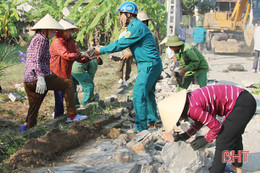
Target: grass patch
{"x":9,"y":144}
{"x":257,"y":89}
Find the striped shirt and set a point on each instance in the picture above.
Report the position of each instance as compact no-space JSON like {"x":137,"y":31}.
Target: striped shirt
{"x":37,"y":58}
{"x":206,"y":103}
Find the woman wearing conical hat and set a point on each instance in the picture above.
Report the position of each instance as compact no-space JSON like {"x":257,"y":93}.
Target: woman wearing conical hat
{"x":63,"y":54}
{"x":236,"y":105}
{"x":37,"y":75}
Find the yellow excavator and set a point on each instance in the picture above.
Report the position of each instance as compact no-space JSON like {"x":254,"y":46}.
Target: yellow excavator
{"x":230,"y":26}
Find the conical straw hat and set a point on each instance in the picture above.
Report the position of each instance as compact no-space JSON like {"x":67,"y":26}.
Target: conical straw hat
{"x":66,"y":25}
{"x":164,"y":41}
{"x":143,"y":16}
{"x":47,"y":22}
{"x":171,"y":108}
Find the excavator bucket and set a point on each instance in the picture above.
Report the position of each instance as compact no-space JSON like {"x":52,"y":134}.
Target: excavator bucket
{"x":232,"y":46}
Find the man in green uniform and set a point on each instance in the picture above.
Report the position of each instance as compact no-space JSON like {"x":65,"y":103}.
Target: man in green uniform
{"x":141,"y":42}
{"x":84,"y":74}
{"x":192,"y":62}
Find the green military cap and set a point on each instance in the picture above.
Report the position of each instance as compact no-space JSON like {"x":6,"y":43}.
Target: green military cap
{"x":174,"y":41}
{"x":199,"y":24}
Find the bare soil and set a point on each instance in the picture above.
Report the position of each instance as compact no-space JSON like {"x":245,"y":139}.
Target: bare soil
{"x":41,"y":144}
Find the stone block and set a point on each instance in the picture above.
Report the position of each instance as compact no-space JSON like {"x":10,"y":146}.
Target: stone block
{"x":14,"y":97}
{"x":114,"y":133}
{"x":180,"y":157}
{"x":123,"y":155}
{"x":235,"y":67}
{"x":138,"y":148}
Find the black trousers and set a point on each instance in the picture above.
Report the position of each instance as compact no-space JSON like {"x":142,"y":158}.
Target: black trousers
{"x":230,"y":137}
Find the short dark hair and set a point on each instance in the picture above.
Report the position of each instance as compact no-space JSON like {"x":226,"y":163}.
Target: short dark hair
{"x":134,"y":15}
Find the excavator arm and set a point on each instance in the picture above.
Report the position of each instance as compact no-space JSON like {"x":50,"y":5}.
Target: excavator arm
{"x":239,"y":10}
{"x":230,"y":30}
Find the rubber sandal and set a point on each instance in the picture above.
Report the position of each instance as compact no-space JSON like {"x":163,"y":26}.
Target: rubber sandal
{"x":77,"y":118}
{"x":132,"y":131}
{"x":22,"y":128}
{"x":227,"y":169}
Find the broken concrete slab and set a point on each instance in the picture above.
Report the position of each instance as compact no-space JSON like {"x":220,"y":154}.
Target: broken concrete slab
{"x":14,"y":96}
{"x":180,"y":157}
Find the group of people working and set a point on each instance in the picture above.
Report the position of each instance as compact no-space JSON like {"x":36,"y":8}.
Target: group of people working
{"x":50,"y":69}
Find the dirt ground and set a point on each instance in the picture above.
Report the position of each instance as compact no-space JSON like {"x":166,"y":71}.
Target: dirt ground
{"x":12,"y":115}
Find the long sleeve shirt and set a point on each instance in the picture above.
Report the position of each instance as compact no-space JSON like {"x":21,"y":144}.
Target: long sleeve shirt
{"x":191,"y":59}
{"x":182,"y":33}
{"x":141,"y":42}
{"x":38,"y":58}
{"x":199,"y":35}
{"x":206,"y":103}
{"x":63,"y":54}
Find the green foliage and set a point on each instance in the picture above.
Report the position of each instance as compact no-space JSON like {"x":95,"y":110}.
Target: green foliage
{"x":97,"y":14}
{"x":10,"y":144}
{"x":10,"y":112}
{"x":7,"y":52}
{"x":158,"y":13}
{"x":190,"y":4}
{"x":204,"y":8}
{"x":101,"y":14}
{"x":43,"y":7}
{"x":9,"y":15}
{"x":3,"y":97}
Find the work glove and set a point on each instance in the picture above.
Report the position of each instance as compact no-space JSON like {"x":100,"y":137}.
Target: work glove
{"x":41,"y":85}
{"x":198,"y":143}
{"x":181,"y":137}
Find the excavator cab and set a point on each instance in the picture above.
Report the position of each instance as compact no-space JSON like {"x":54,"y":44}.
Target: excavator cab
{"x":225,"y":6}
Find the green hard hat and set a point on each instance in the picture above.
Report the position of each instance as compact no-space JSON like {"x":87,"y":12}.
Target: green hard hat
{"x":174,"y":41}
{"x":199,"y":24}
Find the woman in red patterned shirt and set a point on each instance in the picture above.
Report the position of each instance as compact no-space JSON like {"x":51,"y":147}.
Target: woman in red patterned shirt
{"x":63,"y":54}
{"x":236,"y":105}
